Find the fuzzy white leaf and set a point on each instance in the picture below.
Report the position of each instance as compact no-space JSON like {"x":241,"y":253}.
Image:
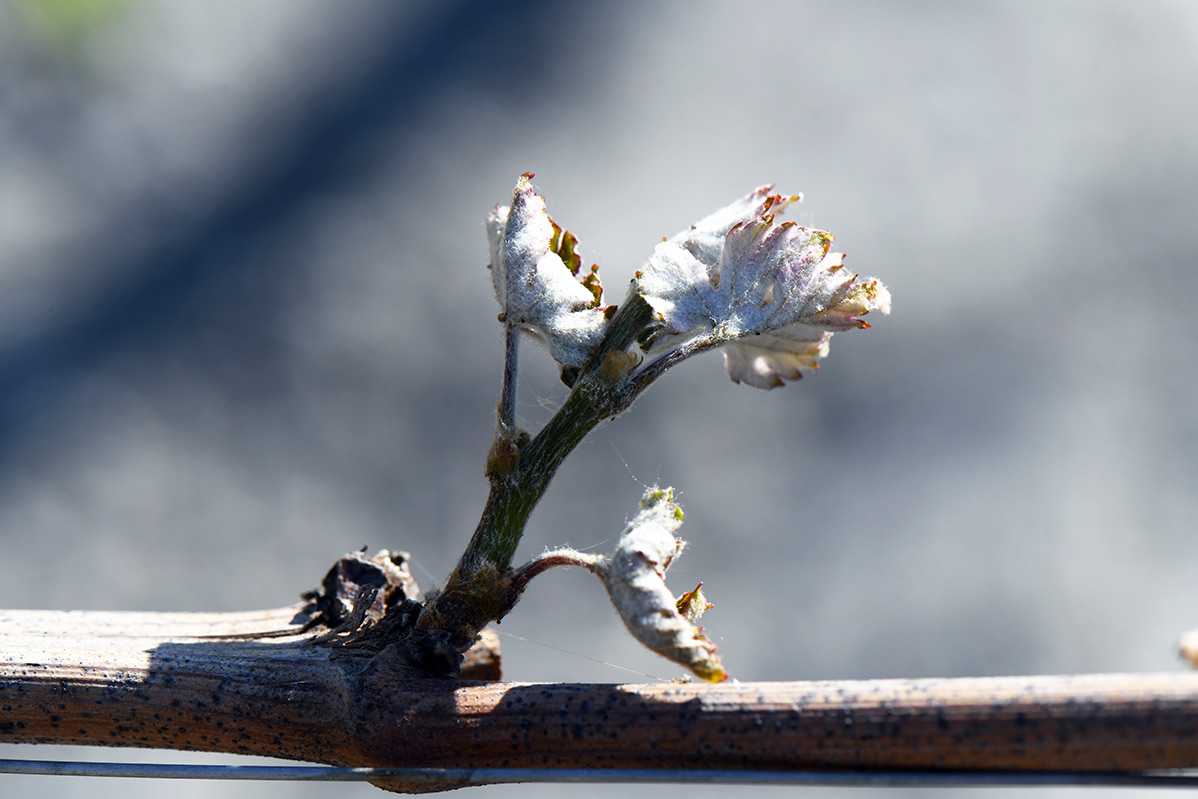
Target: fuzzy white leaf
{"x":705,"y":238}
{"x":677,"y":281}
{"x":537,"y":291}
{"x":634,"y":575}
{"x":772,"y":294}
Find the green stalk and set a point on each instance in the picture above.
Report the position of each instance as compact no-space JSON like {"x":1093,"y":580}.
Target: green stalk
{"x":598,"y":395}
{"x":514,"y":495}
{"x":478,"y":590}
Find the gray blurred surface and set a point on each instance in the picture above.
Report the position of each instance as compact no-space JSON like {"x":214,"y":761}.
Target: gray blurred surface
{"x":245,"y":324}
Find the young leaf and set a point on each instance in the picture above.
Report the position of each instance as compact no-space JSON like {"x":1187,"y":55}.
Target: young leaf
{"x":693,"y":604}
{"x":770,"y":294}
{"x":634,"y":575}
{"x":677,"y":282}
{"x":534,"y":265}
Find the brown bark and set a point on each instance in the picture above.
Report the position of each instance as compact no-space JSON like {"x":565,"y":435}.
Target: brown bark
{"x":219,"y":682}
{"x":163,"y":680}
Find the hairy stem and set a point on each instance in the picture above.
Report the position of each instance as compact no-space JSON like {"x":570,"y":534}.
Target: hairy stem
{"x":599,"y":394}
{"x":514,"y":495}
{"x":507,"y":398}
{"x":655,"y":368}
{"x":479,"y":590}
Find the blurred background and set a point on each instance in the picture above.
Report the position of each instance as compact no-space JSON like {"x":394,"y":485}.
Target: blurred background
{"x":246,"y":325}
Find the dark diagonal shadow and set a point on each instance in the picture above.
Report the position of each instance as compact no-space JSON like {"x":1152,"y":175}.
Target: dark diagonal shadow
{"x":470,"y":45}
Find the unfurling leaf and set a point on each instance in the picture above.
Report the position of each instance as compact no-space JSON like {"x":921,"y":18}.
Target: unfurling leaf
{"x":770,"y":294}
{"x":534,"y":267}
{"x":634,"y":575}
{"x":693,"y":604}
